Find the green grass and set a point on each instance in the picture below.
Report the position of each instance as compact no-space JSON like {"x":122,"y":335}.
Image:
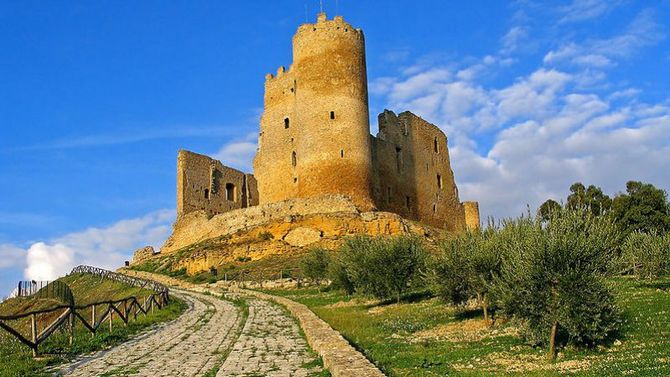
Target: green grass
{"x":16,"y":359}
{"x":402,"y":339}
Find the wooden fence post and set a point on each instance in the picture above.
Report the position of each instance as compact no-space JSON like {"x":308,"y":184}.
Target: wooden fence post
{"x":111,"y":315}
{"x":93,"y":320}
{"x":71,"y":325}
{"x":33,"y":329}
{"x":145,"y":307}
{"x":125,"y":312}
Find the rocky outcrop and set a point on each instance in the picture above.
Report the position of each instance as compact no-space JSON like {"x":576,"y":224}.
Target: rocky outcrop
{"x":143,"y":254}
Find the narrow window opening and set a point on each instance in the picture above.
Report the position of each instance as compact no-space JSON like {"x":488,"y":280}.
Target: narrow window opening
{"x":439,"y":181}
{"x":398,"y":158}
{"x":408,"y":201}
{"x":230,"y":192}
{"x":436,"y":146}
{"x":206,"y":193}
{"x":286,"y":122}
{"x":294,"y":159}
{"x":332,"y":115}
{"x":342,"y":153}
{"x":295,"y":180}
{"x":434,"y":208}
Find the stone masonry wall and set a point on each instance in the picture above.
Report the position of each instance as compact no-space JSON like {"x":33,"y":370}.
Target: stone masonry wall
{"x":413,"y":175}
{"x":204,"y":184}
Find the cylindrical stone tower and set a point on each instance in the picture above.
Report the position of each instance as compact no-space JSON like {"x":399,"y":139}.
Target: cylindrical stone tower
{"x":315,"y":131}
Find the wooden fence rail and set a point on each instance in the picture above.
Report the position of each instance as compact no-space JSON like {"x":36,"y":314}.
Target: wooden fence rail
{"x":123,"y":308}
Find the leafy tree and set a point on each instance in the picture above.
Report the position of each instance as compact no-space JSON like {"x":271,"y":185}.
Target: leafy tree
{"x":339,"y":276}
{"x":383,"y":267}
{"x":548,"y":208}
{"x":315,"y":264}
{"x":642,"y":208}
{"x":646,"y":255}
{"x":466,"y":269}
{"x":552,"y":277}
{"x":591,"y":199}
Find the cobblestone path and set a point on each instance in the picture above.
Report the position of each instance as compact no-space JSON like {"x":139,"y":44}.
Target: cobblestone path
{"x":270,"y":345}
{"x":207,"y":338}
{"x":189,"y":346}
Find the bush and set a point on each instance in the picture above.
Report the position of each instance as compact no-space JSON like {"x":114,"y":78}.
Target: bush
{"x":646,"y":255}
{"x":552,"y":277}
{"x":466,"y":269}
{"x":265,"y":236}
{"x":315,"y":265}
{"x":339,"y":276}
{"x":383,"y":267}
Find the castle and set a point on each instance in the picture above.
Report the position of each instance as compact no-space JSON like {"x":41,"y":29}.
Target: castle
{"x":315,"y":141}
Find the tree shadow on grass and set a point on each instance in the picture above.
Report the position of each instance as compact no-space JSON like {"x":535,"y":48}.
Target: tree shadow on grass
{"x":662,"y":285}
{"x":408,"y":298}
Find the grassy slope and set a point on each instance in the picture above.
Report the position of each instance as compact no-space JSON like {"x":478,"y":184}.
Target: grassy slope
{"x":402,"y":340}
{"x":15,"y":358}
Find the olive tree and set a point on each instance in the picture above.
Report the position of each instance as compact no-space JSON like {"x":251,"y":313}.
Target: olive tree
{"x":383,"y":267}
{"x":466,"y":269}
{"x":315,"y":265}
{"x":552,"y":277}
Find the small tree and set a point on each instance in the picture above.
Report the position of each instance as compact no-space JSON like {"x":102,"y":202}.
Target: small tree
{"x":548,"y":208}
{"x":339,"y":276}
{"x":315,"y":265}
{"x":552,"y":277}
{"x":646,"y":255}
{"x":466,"y":269}
{"x":383,"y":267}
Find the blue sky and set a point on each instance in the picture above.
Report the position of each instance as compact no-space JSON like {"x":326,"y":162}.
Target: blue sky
{"x":97,"y":97}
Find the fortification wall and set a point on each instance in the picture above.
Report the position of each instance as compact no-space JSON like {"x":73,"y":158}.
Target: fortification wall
{"x":472,"y":220}
{"x":413,"y":175}
{"x":326,"y":147}
{"x":204,"y":184}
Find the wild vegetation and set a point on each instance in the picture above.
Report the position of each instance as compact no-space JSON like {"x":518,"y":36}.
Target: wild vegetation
{"x":16,"y":359}
{"x":556,"y":278}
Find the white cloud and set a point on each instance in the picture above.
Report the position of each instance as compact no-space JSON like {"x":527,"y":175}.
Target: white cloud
{"x":510,"y":42}
{"x":643,"y":31}
{"x":545,"y":133}
{"x":239,"y":154}
{"x":104,"y":247}
{"x":582,"y":10}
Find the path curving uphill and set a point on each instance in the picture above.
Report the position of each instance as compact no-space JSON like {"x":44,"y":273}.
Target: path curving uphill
{"x":214,"y":337}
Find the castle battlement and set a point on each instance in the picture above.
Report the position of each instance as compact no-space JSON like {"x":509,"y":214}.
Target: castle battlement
{"x":315,"y":142}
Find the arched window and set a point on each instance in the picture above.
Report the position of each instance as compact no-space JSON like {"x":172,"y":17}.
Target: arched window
{"x":287,"y":122}
{"x":439,"y":181}
{"x":206,"y":193}
{"x":294,"y":159}
{"x":436,"y":146}
{"x":332,"y":115}
{"x":230,"y":192}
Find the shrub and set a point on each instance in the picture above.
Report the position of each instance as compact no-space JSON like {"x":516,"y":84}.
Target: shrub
{"x":466,"y":269}
{"x":339,"y":276}
{"x":265,"y":236}
{"x":315,"y":265}
{"x":646,"y":255}
{"x":383,"y":267}
{"x":552,"y":277}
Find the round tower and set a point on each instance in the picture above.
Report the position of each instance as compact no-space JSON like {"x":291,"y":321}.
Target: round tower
{"x":333,"y":147}
{"x":315,"y":132}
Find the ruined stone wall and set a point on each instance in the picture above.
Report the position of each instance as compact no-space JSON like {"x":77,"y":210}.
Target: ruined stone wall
{"x":472,"y":220}
{"x":413,"y":175}
{"x":325,"y":146}
{"x":205,"y":184}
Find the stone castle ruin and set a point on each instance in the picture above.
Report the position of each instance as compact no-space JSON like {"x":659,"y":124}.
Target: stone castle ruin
{"x":315,"y":141}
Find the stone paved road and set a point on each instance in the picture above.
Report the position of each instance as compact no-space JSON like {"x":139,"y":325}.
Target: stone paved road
{"x":196,"y":343}
{"x":270,"y":345}
{"x":188,"y":346}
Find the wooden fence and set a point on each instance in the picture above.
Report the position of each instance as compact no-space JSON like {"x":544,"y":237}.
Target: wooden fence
{"x":100,"y":312}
